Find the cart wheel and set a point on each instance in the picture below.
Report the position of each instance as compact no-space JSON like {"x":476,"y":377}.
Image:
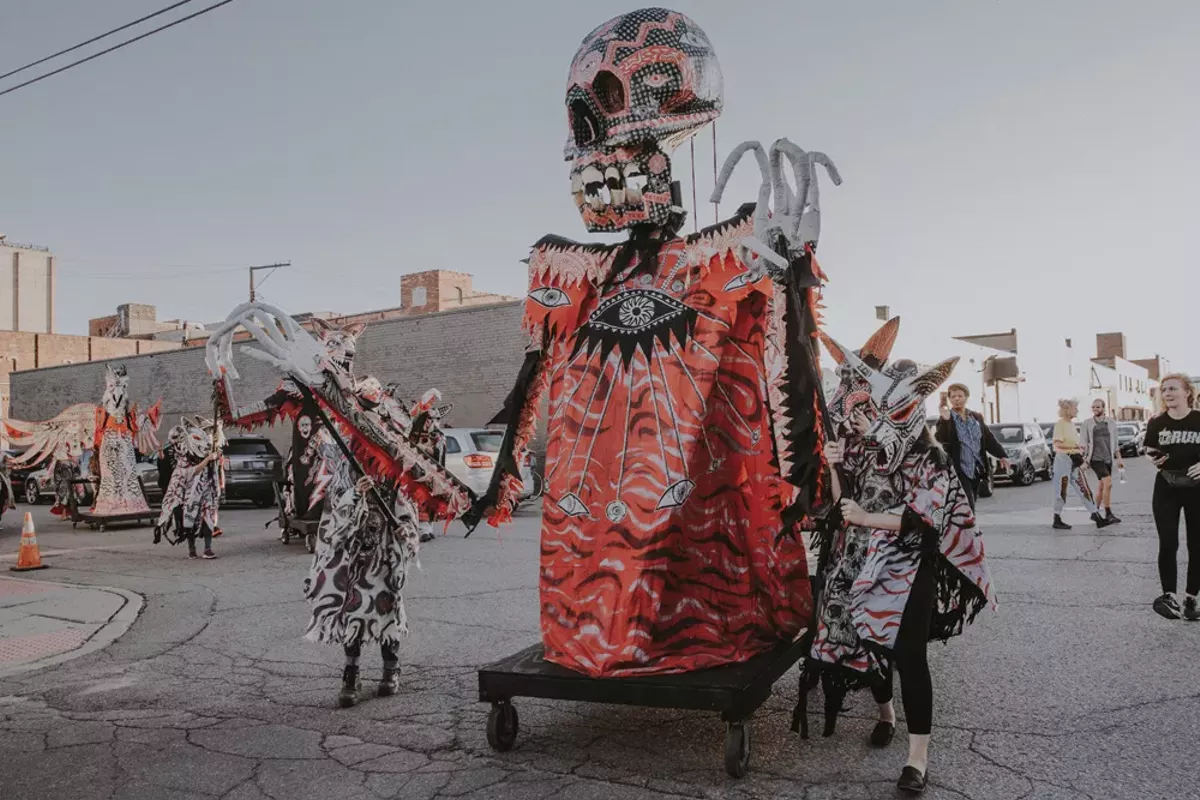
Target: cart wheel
{"x":737,"y":749}
{"x":285,"y":536}
{"x":310,"y":544}
{"x":502,"y":726}
{"x":101,"y":527}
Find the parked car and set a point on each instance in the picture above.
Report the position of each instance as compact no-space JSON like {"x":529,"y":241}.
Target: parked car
{"x":17,"y":475}
{"x":1029,"y":454}
{"x":1131,"y":438}
{"x":38,"y":485}
{"x":252,"y":466}
{"x":470,"y":457}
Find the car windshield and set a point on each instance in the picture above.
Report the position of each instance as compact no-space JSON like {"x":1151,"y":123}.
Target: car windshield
{"x":248,"y":447}
{"x":487,"y":441}
{"x":1126,"y":430}
{"x":1008,"y":434}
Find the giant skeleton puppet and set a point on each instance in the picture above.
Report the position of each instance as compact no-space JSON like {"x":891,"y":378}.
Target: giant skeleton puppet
{"x":360,"y":462}
{"x":115,"y":428}
{"x":913,"y":569}
{"x":684,"y":429}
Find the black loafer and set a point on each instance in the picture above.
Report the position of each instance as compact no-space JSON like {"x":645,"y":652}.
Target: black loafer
{"x":912,"y":781}
{"x":882,"y":735}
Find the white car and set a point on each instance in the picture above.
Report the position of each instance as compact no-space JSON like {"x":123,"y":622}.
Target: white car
{"x":471,"y":457}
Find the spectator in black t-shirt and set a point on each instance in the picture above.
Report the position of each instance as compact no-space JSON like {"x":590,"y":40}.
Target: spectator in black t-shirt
{"x":1173,"y":442}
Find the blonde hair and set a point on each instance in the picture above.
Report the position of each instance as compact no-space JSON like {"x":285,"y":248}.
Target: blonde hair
{"x":1189,"y":388}
{"x":1064,"y":406}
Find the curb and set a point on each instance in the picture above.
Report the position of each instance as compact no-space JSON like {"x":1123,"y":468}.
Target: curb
{"x":109,"y":631}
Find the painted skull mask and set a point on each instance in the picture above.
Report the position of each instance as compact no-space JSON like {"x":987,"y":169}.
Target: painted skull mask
{"x":897,"y":402}
{"x":640,"y":84}
{"x":192,"y":437}
{"x":116,"y":392}
{"x":853,"y":390}
{"x":340,"y":344}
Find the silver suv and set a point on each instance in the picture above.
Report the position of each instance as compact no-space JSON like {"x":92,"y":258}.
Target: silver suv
{"x":471,"y":457}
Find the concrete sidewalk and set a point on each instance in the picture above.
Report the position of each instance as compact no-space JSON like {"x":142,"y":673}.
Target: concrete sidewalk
{"x":44,"y":623}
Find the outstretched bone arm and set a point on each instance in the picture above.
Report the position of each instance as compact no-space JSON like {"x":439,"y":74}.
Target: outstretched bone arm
{"x":282,"y":343}
{"x":786,"y":223}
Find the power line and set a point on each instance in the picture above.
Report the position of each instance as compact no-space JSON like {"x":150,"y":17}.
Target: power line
{"x":95,"y":39}
{"x":179,"y":21}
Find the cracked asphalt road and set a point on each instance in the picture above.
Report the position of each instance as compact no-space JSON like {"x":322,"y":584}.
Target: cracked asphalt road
{"x":1074,"y":690}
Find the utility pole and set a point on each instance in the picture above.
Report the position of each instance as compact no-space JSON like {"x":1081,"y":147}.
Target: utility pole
{"x":271,"y":267}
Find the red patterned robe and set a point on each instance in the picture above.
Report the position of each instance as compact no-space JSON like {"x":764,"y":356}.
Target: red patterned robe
{"x":661,"y":548}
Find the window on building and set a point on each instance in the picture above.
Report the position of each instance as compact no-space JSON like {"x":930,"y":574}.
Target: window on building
{"x":418,"y":296}
{"x":460,"y":294}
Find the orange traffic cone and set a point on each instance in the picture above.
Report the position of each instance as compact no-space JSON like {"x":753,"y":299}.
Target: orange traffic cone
{"x":28,"y":557}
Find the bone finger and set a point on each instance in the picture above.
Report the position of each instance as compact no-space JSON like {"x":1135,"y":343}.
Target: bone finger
{"x":759,"y":249}
{"x":731,"y":162}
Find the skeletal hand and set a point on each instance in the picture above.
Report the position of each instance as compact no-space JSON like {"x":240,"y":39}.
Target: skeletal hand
{"x":782,"y":233}
{"x":285,"y":345}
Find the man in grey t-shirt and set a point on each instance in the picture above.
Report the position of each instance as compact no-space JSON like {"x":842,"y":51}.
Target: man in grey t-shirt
{"x":1098,"y":437}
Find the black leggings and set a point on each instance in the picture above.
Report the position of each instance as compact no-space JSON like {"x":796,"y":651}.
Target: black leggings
{"x":354,"y":650}
{"x":1167,"y":503}
{"x":909,"y":657}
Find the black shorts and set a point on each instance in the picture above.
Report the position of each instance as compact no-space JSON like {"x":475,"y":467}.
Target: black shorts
{"x":1103,"y":469}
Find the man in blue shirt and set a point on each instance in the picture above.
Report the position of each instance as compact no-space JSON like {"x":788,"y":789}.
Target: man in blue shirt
{"x":966,"y":439}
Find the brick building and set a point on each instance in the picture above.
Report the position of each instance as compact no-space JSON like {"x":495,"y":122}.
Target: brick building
{"x":20,"y":351}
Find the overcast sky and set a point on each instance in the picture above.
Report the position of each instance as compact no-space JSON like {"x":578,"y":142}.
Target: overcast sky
{"x":1027,"y":163}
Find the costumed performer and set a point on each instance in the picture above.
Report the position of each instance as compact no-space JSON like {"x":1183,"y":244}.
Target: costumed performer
{"x":906,"y":562}
{"x":367,"y":535}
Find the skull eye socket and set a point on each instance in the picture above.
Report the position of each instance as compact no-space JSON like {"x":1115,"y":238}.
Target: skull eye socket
{"x":609,"y":91}
{"x":584,"y":125}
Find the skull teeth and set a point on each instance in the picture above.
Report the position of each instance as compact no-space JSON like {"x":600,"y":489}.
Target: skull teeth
{"x":605,"y":187}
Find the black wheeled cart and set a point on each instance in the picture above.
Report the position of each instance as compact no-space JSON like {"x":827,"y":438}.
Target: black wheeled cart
{"x":291,"y":527}
{"x":735,"y":691}
{"x":100,"y":522}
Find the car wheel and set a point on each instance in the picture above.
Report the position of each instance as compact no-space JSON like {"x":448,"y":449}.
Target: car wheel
{"x":1025,"y":475}
{"x":263,"y":501}
{"x":33,"y":493}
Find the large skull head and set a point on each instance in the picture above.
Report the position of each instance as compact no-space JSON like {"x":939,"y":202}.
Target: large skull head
{"x":340,"y":344}
{"x":116,"y":391}
{"x":640,"y":84}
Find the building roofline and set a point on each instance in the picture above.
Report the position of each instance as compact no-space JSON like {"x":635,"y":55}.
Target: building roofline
{"x":167,"y":351}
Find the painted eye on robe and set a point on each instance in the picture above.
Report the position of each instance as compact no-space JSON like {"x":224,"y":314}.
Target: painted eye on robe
{"x":738,"y":281}
{"x":675,"y":495}
{"x":550,"y":297}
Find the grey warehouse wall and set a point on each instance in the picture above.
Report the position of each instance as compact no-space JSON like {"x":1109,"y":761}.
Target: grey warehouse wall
{"x":472,"y":355}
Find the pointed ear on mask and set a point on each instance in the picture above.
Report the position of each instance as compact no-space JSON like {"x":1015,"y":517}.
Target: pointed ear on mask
{"x":879,"y":347}
{"x":321,"y":325}
{"x":835,"y":349}
{"x":928,"y":381}
{"x":354,"y":329}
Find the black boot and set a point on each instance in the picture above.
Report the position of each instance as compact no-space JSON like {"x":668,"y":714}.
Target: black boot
{"x":1101,"y":522}
{"x":389,"y":684}
{"x":348,"y":696}
{"x":1059,"y":525}
{"x":1112,"y":518}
